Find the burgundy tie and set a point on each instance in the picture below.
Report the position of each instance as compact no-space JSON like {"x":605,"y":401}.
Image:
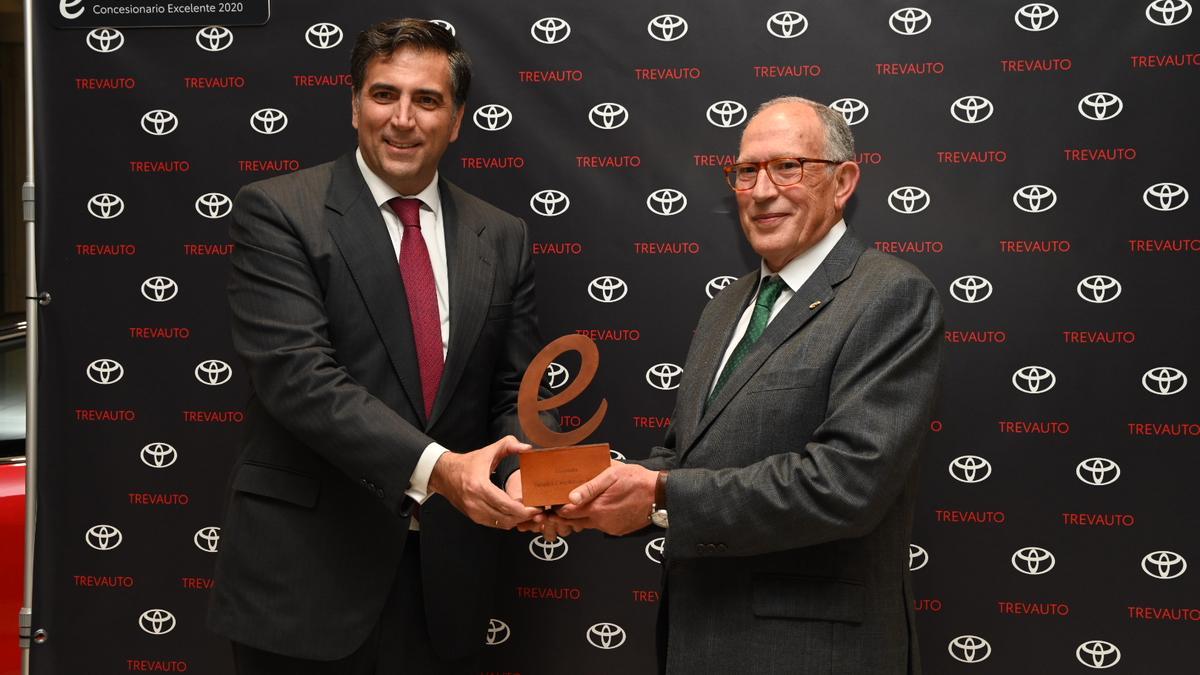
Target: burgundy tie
{"x":419,"y":286}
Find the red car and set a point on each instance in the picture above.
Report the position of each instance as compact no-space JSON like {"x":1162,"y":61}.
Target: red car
{"x":12,"y":490}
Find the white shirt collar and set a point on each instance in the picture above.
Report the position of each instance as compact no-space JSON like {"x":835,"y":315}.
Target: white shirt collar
{"x":800,"y":268}
{"x":382,"y":192}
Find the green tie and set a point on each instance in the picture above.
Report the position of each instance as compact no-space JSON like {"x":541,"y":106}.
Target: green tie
{"x":768,"y":292}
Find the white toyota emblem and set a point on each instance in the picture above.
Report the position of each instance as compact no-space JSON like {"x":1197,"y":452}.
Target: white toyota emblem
{"x":1098,"y":471}
{"x":550,"y":30}
{"x":717,"y":284}
{"x":918,"y":557}
{"x":159,"y":289}
{"x":105,"y":371}
{"x":323,"y":35}
{"x":1033,"y":560}
{"x":158,"y":455}
{"x":666,"y":202}
{"x":557,"y":375}
{"x":1098,"y":654}
{"x":157,"y":621}
{"x":1098,"y":289}
{"x":1165,"y":196}
{"x":549,"y":203}
{"x":159,"y":122}
{"x":970,"y":649}
{"x":497,"y":632}
{"x":105,"y":40}
{"x":213,"y":205}
{"x":788,"y":24}
{"x":908,"y":199}
{"x":492,"y":117}
{"x":664,"y":376}
{"x":1035,"y":198}
{"x":726,"y":114}
{"x":214,"y":38}
{"x":613,"y":454}
{"x":853,"y":110}
{"x":667,"y":27}
{"x":213,"y":372}
{"x":65,"y":7}
{"x":548,"y":551}
{"x":608,"y":115}
{"x":105,"y":205}
{"x":910,"y":21}
{"x":970,"y":469}
{"x":607,"y":289}
{"x":207,"y":538}
{"x":971,"y":289}
{"x":1100,"y":106}
{"x":1036,"y":17}
{"x":1168,"y":12}
{"x":1164,"y":564}
{"x":1034,"y":379}
{"x":656,"y":549}
{"x":1164,"y":380}
{"x":268,"y":121}
{"x":971,"y":109}
{"x":445,"y":24}
{"x":605,"y":635}
{"x":103,"y":537}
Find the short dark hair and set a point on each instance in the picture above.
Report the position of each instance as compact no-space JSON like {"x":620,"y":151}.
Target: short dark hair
{"x":387,"y":36}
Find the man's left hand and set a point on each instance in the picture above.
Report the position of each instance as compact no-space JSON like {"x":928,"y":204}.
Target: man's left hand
{"x":617,"y":501}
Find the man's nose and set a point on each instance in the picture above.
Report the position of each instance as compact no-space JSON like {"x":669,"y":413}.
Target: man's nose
{"x":402,"y":114}
{"x":764,"y":188}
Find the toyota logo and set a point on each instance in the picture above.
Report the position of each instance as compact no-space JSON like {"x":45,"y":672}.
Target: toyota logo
{"x":158,"y":455}
{"x":605,"y":635}
{"x":667,"y":27}
{"x":608,"y":115}
{"x":1164,"y":380}
{"x":717,"y":284}
{"x":550,"y":30}
{"x":613,"y":454}
{"x":159,"y":122}
{"x":105,"y":40}
{"x":445,"y":24}
{"x":497,"y":632}
{"x":908,"y":199}
{"x":787,"y":24}
{"x":656,"y":550}
{"x":106,"y":205}
{"x":556,"y":375}
{"x":970,"y":469}
{"x":1165,"y":196}
{"x":268,"y":121}
{"x":971,"y":289}
{"x":1168,"y":12}
{"x":492,"y":117}
{"x":549,"y":203}
{"x":1164,"y":565}
{"x":103,"y":537}
{"x":159,"y":289}
{"x":548,"y":551}
{"x":65,"y":7}
{"x":1033,"y":379}
{"x":910,"y":21}
{"x":726,"y":114}
{"x":1098,"y":471}
{"x":157,"y":621}
{"x":214,"y":38}
{"x":970,"y":649}
{"x":664,"y":376}
{"x":213,"y":205}
{"x":1098,"y":289}
{"x":323,"y":35}
{"x":1036,"y":17}
{"x":213,"y":372}
{"x":1033,"y":560}
{"x":853,"y":110}
{"x":666,"y":202}
{"x":105,"y":371}
{"x":607,"y":289}
{"x":1098,"y":654}
{"x":206,"y":539}
{"x":918,"y":557}
{"x":1035,"y":198}
{"x":971,"y":109}
{"x":1100,"y":106}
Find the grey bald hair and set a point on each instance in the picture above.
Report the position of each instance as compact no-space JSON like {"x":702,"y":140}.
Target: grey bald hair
{"x":839,"y":141}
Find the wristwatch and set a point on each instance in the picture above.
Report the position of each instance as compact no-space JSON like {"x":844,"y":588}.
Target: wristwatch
{"x":658,"y":510}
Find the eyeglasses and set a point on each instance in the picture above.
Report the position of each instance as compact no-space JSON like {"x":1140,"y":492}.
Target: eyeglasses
{"x":783,"y":171}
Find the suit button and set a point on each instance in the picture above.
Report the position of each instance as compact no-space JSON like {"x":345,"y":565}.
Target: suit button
{"x":721,"y":548}
{"x":699,"y":548}
{"x":379,"y":493}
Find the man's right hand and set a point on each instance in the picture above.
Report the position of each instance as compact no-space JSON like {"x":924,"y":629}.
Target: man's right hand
{"x":465,"y":479}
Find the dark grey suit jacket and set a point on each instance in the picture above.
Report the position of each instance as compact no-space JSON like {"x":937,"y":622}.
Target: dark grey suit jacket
{"x":317,"y":518}
{"x":791,"y":495}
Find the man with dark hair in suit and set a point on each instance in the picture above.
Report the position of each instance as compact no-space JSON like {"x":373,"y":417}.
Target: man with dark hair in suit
{"x":386,"y":318}
{"x":789,"y":471}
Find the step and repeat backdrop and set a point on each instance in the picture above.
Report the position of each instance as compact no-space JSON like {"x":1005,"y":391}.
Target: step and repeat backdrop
{"x":1036,"y":160}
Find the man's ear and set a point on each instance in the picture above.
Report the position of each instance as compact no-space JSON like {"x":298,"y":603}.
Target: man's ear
{"x":354,"y":103}
{"x":458,"y":118}
{"x":845,"y":181}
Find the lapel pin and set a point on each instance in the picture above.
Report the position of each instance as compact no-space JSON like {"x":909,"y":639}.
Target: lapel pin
{"x":815,"y":305}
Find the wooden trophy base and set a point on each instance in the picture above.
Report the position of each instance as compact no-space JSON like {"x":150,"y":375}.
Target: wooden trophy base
{"x":548,"y":476}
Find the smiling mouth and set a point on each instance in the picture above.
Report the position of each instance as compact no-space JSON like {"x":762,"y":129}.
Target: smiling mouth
{"x":401,"y":146}
{"x":768,"y":218}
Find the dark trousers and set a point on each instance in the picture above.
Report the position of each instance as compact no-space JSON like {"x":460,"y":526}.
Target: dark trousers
{"x":398,"y":645}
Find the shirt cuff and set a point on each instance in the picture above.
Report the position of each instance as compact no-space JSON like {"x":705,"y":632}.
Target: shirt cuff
{"x":418,"y":484}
